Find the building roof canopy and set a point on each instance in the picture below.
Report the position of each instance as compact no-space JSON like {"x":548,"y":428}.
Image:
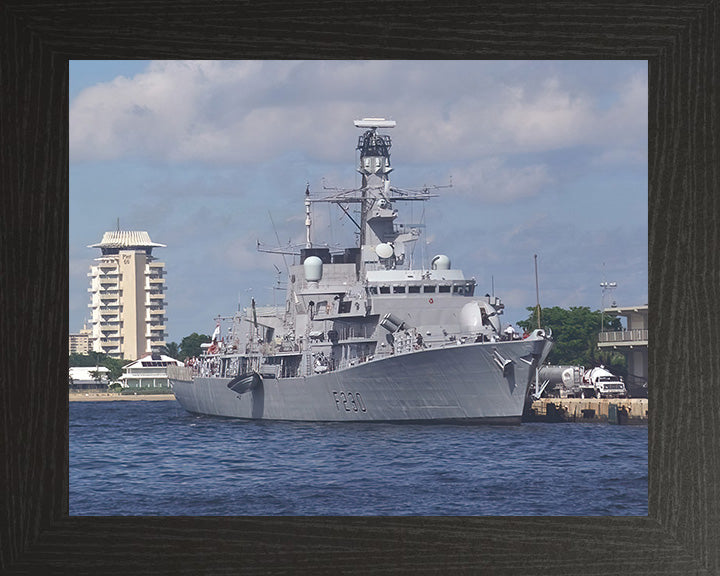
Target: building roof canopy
{"x":625,"y":310}
{"x":127,"y":239}
{"x":147,"y":361}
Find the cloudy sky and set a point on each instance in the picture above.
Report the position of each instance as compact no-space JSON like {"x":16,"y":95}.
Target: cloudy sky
{"x":546,"y":158}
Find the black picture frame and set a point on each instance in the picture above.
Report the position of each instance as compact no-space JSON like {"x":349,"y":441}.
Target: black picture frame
{"x":680,"y":41}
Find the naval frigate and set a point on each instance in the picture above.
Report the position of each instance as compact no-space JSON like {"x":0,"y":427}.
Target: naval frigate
{"x":364,"y":335}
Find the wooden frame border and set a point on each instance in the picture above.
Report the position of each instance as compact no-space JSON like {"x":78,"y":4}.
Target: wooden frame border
{"x":681,"y":535}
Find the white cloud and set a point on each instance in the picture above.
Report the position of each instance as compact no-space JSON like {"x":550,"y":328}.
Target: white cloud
{"x":249,"y":111}
{"x":491,"y":180}
{"x":548,"y":118}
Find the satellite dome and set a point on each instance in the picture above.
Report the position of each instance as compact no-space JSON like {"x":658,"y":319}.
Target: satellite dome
{"x":384,"y":250}
{"x":440,"y":262}
{"x":313,"y":268}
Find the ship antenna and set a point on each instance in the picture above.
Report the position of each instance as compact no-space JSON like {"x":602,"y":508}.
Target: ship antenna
{"x":308,"y":222}
{"x":537,"y":292}
{"x":277,"y":237}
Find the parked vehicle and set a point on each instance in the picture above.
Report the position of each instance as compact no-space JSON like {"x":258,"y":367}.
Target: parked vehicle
{"x":601,"y":383}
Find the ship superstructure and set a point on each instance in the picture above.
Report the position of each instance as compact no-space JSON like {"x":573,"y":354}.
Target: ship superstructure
{"x":364,"y":334}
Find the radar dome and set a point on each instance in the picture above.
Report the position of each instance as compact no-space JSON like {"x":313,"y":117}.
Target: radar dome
{"x":313,"y":268}
{"x":471,"y":317}
{"x":384,"y":250}
{"x":440,"y":262}
{"x":474,"y":315}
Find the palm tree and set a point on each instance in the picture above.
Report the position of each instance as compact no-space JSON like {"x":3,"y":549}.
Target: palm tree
{"x":171,"y":349}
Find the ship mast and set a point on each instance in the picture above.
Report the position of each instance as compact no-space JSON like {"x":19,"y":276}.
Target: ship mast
{"x":382,"y":244}
{"x":374,"y":165}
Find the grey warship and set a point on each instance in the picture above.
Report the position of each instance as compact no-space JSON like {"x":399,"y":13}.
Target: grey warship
{"x":364,"y":335}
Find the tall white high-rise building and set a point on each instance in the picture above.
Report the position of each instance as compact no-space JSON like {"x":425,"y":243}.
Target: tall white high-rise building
{"x":127,"y":287}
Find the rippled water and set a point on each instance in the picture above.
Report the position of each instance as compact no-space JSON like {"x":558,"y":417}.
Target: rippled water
{"x":153,"y":458}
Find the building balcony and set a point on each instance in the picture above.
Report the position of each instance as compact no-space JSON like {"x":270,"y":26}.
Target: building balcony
{"x":110,"y":338}
{"x":109,"y":314}
{"x":623,"y":338}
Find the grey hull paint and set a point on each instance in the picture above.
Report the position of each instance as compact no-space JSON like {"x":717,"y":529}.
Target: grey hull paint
{"x":462,"y":383}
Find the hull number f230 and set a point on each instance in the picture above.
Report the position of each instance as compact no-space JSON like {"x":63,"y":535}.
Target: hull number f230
{"x":349,"y":402}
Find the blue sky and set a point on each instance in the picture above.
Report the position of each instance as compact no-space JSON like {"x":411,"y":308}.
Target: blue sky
{"x":545,"y":157}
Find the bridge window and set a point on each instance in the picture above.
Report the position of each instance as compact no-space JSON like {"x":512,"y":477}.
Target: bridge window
{"x":445,"y":289}
{"x":429,"y":289}
{"x":384,"y":289}
{"x":414,"y":289}
{"x":399,"y":289}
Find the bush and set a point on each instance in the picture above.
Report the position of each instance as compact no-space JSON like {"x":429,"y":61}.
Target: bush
{"x":146,"y":390}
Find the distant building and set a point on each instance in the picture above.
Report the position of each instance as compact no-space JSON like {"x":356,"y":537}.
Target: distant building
{"x":127,"y":296}
{"x":148,"y":372}
{"x":92,"y":378}
{"x":632,"y":342}
{"x":79,"y":343}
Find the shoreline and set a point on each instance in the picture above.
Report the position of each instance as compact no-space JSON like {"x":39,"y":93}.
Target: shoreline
{"x":111,"y":397}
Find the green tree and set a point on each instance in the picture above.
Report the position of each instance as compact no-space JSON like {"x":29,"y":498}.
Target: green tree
{"x":87,"y":360}
{"x":97,"y":375}
{"x":114,"y":365}
{"x":190,"y":345}
{"x":575,"y":333}
{"x":171,"y":349}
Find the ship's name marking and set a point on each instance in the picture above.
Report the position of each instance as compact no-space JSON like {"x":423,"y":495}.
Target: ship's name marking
{"x":349,"y":402}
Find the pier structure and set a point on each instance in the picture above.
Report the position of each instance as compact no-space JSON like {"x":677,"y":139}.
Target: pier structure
{"x":599,"y":410}
{"x":632,"y":342}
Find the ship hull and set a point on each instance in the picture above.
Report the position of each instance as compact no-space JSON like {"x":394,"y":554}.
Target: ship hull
{"x":484,"y":382}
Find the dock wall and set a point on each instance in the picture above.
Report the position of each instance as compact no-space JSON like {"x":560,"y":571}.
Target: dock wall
{"x":610,"y":410}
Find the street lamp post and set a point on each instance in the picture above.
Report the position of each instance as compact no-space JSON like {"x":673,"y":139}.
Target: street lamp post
{"x":606,"y":287}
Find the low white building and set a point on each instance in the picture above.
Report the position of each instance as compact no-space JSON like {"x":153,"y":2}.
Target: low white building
{"x":92,"y":377}
{"x":148,"y":372}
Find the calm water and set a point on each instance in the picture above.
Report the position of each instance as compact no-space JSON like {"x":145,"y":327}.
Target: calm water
{"x":153,"y":458}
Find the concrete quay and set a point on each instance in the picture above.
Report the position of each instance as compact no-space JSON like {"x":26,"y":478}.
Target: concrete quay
{"x":110,"y":396}
{"x":608,"y":410}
